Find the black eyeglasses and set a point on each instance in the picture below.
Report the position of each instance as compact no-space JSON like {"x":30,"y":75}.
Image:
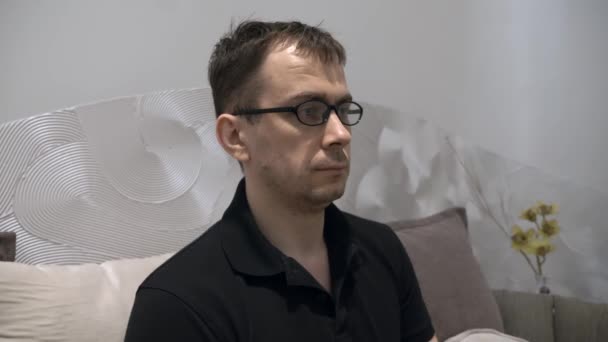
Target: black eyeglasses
{"x":315,"y":112}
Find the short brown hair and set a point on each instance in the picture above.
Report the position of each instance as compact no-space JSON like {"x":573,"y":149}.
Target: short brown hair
{"x":238,"y":55}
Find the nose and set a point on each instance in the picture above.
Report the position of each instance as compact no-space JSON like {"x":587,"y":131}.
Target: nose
{"x":335,"y":132}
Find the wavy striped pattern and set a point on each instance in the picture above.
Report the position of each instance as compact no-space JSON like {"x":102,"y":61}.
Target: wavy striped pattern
{"x":65,"y":199}
{"x":148,"y":159}
{"x":35,"y":250}
{"x":128,"y":177}
{"x":22,"y":141}
{"x":194,"y":108}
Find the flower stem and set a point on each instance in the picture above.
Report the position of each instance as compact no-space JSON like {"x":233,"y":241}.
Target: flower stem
{"x":530,"y":263}
{"x":484,"y":206}
{"x":538,"y":226}
{"x":540,"y":265}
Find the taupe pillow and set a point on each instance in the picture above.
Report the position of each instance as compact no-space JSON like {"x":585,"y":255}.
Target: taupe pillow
{"x":456,"y":293}
{"x":7,"y":246}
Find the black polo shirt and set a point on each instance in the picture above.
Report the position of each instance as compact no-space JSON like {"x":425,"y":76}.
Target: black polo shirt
{"x":231,"y":284}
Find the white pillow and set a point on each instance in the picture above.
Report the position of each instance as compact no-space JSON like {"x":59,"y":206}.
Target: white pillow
{"x":484,"y":335}
{"x":80,"y":303}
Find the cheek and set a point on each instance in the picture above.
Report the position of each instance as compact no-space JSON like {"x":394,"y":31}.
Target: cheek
{"x":271,"y":151}
{"x":290,"y":157}
{"x":293,"y":154}
{"x":288,"y":150}
{"x":302,"y":155}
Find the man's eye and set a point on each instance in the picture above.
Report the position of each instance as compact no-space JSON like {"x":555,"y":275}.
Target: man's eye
{"x":309,"y":111}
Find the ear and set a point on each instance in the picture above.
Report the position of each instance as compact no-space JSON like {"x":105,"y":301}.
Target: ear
{"x":230,"y":135}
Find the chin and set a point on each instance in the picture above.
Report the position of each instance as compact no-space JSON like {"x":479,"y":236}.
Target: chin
{"x":329,"y":192}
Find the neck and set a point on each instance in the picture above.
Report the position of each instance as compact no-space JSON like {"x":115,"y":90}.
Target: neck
{"x":297,"y":232}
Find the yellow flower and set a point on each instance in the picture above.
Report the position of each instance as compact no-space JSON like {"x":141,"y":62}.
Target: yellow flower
{"x":529,"y":214}
{"x":540,"y":247}
{"x":549,"y":228}
{"x":547,"y":209}
{"x":520,"y":240}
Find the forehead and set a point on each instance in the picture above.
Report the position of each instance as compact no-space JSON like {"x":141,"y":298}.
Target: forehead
{"x":285,"y":72}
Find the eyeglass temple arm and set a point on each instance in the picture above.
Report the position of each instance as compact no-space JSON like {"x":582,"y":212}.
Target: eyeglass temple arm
{"x":266,"y":110}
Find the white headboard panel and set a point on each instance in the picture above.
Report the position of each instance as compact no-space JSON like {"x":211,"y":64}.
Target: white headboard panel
{"x":144,"y":175}
{"x":128,"y":177}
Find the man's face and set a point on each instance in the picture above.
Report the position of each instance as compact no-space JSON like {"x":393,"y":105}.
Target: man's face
{"x":306,"y":165}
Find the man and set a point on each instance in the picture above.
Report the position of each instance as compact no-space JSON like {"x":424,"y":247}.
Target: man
{"x":284,"y":264}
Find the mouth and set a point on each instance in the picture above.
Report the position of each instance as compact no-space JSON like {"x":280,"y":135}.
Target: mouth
{"x":337,"y":167}
{"x":336,"y":161}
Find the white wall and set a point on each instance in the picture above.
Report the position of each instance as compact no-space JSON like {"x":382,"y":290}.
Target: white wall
{"x":527,"y":79}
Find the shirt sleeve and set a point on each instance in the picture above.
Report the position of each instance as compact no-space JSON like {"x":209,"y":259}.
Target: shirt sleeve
{"x":416,"y":323}
{"x":158,"y":315}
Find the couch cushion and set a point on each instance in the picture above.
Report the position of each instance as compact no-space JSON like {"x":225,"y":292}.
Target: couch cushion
{"x":456,"y":293}
{"x":7,"y":246}
{"x":527,"y":315}
{"x":88,"y":302}
{"x":576,"y":320}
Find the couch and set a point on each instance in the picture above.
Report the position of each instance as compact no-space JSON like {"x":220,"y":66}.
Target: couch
{"x":91,"y":302}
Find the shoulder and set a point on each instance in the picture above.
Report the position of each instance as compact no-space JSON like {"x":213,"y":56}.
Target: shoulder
{"x":379,"y":242}
{"x":197,"y":285}
{"x":365,"y":226}
{"x":190,"y":262}
{"x":198,"y":275}
{"x":372,"y":234}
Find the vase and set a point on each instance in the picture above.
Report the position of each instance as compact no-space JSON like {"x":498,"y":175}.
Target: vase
{"x":541,"y":284}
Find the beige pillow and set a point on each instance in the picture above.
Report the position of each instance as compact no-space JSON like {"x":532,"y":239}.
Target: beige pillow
{"x":80,"y":303}
{"x":456,"y":293}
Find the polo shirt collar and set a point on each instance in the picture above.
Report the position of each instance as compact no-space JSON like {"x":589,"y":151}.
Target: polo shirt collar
{"x":249,"y":252}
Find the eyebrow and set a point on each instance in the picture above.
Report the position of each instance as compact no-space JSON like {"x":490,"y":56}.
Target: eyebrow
{"x":306,"y":96}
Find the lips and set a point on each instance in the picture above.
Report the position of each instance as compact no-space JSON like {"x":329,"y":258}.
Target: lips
{"x":336,"y":167}
{"x":336,"y":160}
